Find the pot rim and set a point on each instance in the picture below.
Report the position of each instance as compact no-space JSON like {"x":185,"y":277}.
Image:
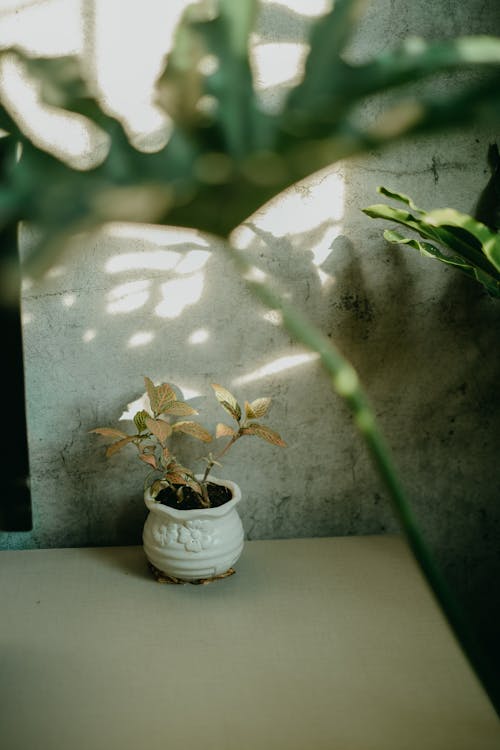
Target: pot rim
{"x":187,"y":515}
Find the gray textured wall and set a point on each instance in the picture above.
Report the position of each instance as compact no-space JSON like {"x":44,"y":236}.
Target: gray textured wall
{"x":424,"y":339}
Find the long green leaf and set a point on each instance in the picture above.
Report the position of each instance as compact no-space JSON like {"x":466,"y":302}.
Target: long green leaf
{"x":346,"y":382}
{"x":416,"y":59}
{"x":324,"y":67}
{"x":426,"y":249}
{"x":459,"y":241}
{"x":489,"y":241}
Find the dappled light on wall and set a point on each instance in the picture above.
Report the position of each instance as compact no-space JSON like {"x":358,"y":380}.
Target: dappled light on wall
{"x":141,"y":338}
{"x":275,"y":366}
{"x":128,"y":297}
{"x":199,"y":336}
{"x":179,"y":294}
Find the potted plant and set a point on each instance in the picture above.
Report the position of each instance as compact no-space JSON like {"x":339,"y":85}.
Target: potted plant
{"x":193,"y":532}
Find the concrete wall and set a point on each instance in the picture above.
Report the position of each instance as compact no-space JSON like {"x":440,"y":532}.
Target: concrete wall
{"x":133,"y":301}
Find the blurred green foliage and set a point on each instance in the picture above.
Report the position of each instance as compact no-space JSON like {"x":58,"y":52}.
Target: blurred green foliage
{"x":226,"y":156}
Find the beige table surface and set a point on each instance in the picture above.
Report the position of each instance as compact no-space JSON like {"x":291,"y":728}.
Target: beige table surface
{"x":314,"y":643}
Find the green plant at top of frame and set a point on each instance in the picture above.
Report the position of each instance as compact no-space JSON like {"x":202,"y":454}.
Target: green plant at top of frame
{"x":469,"y":245}
{"x":226,"y":156}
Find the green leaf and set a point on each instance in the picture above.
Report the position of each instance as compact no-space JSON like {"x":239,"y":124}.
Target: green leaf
{"x":240,"y":20}
{"x":265,"y":433}
{"x":236,"y":118}
{"x":426,"y":249}
{"x":489,"y":241}
{"x":140,"y":420}
{"x":227,"y":401}
{"x":324,"y":67}
{"x":416,"y":59}
{"x":459,"y":241}
{"x":399,"y":197}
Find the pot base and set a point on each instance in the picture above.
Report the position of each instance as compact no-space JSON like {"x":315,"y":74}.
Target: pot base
{"x":164,"y":578}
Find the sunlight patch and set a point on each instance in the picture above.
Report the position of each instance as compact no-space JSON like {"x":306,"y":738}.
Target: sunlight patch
{"x":89,"y":335}
{"x":193,"y":261}
{"x":127,"y":297}
{"x":199,"y":336}
{"x":179,"y":294}
{"x":140,"y":339}
{"x":277,"y":365}
{"x":154,"y":260}
{"x":278,"y":63}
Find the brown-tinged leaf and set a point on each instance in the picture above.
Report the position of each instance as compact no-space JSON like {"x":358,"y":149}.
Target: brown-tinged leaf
{"x":109,"y":432}
{"x":194,"y":485}
{"x":115,"y":447}
{"x":176,"y":478}
{"x":151,"y":391}
{"x":194,"y":429}
{"x":159,"y":395}
{"x":227,"y":401}
{"x":160,"y":429}
{"x":265,"y":433}
{"x":166,"y":455}
{"x":140,"y":420}
{"x":148,"y":458}
{"x":260,"y":407}
{"x":179,"y":409}
{"x":223,"y":430}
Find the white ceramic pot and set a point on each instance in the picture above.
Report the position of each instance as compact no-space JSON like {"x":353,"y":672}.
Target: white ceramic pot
{"x":194,"y":544}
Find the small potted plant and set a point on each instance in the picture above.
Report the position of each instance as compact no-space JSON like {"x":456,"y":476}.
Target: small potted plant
{"x":193,"y":532}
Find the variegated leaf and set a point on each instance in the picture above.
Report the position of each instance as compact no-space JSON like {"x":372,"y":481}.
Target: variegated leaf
{"x":249,"y":413}
{"x":148,"y":458}
{"x":160,"y":429}
{"x":109,"y":432}
{"x":159,"y":395}
{"x":191,"y":482}
{"x":227,"y":401}
{"x":265,"y":433}
{"x":260,"y":407}
{"x":140,"y":420}
{"x":176,"y":478}
{"x":194,"y":429}
{"x":179,"y":409}
{"x":223,"y":430}
{"x":157,"y":487}
{"x":115,"y":447}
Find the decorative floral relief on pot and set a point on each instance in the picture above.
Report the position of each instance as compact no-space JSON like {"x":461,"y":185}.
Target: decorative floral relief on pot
{"x":195,"y":535}
{"x":192,"y":544}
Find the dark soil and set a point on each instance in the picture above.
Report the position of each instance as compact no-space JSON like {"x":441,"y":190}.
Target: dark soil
{"x":217,"y":494}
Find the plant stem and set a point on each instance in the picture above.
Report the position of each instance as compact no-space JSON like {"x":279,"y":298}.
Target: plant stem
{"x":223,"y":452}
{"x":346,"y":383}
